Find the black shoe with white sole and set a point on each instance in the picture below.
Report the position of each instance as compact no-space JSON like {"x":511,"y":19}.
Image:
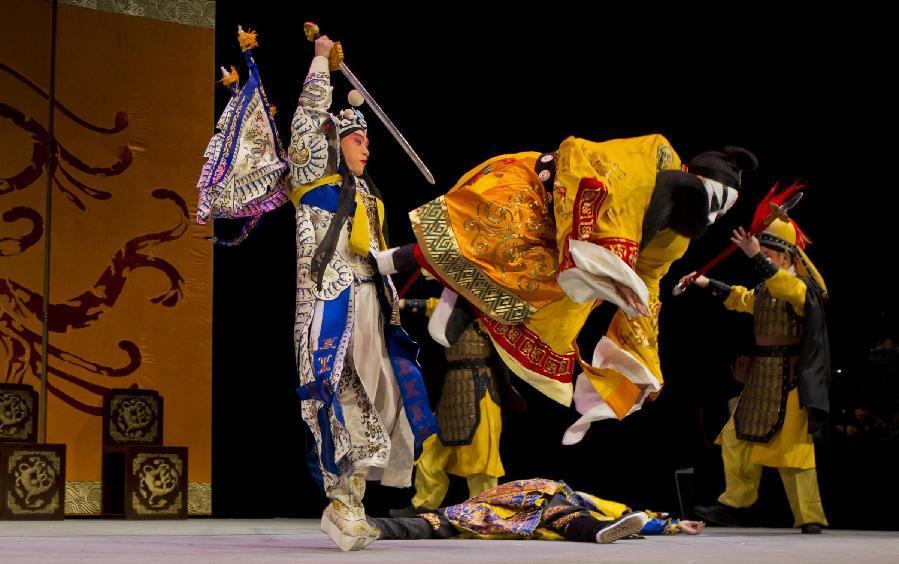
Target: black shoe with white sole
{"x":718,"y":514}
{"x":625,"y":526}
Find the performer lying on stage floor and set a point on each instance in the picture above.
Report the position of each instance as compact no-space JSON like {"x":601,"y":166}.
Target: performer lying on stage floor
{"x":534,"y":509}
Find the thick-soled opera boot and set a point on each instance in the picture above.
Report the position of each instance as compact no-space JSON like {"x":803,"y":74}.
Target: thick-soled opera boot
{"x":344,"y":519}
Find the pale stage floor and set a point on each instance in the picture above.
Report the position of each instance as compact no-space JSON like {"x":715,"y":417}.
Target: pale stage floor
{"x":224,"y":541}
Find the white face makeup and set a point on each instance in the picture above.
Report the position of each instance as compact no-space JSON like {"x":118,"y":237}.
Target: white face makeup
{"x":721,"y":198}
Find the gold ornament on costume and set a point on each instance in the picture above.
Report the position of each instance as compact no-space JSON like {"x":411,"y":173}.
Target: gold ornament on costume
{"x":230,"y":77}
{"x":246,"y":39}
{"x":431,"y":224}
{"x":336,"y":57}
{"x":313,"y":32}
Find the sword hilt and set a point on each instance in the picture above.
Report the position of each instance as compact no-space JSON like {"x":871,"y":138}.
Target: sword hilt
{"x":680,"y":289}
{"x":313,"y":32}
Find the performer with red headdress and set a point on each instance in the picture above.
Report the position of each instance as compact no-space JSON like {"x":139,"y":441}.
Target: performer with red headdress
{"x":785,"y":400}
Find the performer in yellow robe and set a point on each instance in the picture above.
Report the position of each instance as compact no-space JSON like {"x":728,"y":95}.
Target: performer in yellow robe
{"x":787,"y":379}
{"x":535,"y":242}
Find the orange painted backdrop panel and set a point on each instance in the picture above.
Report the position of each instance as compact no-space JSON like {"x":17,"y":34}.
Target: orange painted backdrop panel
{"x":131,"y":274}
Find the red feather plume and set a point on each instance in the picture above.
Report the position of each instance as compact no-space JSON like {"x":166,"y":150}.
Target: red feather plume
{"x":777,"y":197}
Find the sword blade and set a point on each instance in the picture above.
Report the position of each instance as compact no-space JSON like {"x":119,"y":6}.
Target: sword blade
{"x":387,"y":123}
{"x":791,"y":203}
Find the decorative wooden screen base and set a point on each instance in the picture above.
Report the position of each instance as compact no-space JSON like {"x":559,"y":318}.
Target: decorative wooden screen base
{"x":145,"y":482}
{"x":18,"y":413}
{"x":32,"y":481}
{"x":132,"y":417}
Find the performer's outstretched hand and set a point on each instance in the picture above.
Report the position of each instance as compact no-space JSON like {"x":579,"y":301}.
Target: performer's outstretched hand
{"x":700,"y":281}
{"x":323,"y":46}
{"x":691,"y":527}
{"x":747,"y":242}
{"x":629,"y":296}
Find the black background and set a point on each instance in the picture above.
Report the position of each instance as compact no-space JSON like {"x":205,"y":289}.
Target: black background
{"x":464,"y":85}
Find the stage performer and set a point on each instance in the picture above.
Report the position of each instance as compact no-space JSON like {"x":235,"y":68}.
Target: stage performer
{"x":361,"y":391}
{"x":535,"y":242}
{"x":534,"y":509}
{"x":784,"y":403}
{"x":468,"y":413}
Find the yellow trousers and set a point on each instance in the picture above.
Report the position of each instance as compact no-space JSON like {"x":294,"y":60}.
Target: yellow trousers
{"x":478,"y":462}
{"x":743,"y":467}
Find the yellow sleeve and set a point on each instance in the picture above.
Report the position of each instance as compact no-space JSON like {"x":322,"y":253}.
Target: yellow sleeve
{"x":600,"y":196}
{"x":788,"y":287}
{"x":655,"y":259}
{"x":740,"y":299}
{"x":602,"y":189}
